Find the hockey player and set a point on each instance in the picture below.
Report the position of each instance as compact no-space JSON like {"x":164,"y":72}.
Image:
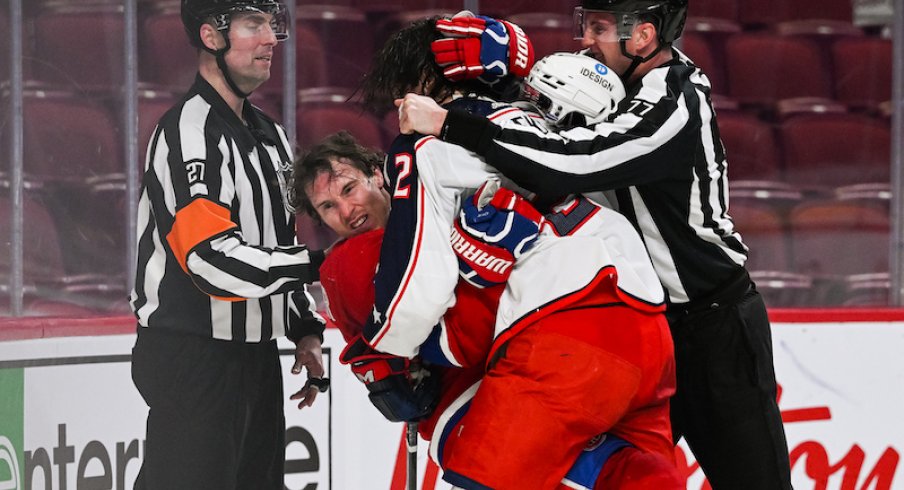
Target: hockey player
{"x":661,"y":154}
{"x":347,"y":276}
{"x":606,"y":462}
{"x":570,"y":360}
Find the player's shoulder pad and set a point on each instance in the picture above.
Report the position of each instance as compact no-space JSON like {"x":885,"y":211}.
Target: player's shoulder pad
{"x":404,"y":143}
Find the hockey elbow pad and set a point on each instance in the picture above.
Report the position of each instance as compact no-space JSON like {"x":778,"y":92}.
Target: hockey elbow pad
{"x":494,"y":228}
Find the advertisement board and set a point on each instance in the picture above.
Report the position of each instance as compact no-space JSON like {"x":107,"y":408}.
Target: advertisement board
{"x":70,"y":417}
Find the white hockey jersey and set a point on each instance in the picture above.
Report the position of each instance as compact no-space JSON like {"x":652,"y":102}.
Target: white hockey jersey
{"x":418,"y":269}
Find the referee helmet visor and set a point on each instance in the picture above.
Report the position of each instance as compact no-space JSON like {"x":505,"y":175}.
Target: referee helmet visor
{"x":219,"y":14}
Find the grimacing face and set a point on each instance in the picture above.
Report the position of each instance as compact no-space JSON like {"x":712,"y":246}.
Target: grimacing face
{"x":601,"y":38}
{"x":348,"y":201}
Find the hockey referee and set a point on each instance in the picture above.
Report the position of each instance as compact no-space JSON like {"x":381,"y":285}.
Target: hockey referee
{"x":220,"y":275}
{"x":661,"y":154}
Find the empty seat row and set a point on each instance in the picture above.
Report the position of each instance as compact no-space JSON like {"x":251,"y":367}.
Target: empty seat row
{"x":79,"y":45}
{"x":762,"y":68}
{"x":54,"y":282}
{"x":785,"y":289}
{"x":826,"y":252}
{"x":807,"y":150}
{"x":751,"y":12}
{"x":79,"y":140}
{"x":820,"y":237}
{"x":756,"y":13}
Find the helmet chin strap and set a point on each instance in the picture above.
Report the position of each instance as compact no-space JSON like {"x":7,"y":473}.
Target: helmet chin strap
{"x":220,"y":55}
{"x":635,"y":60}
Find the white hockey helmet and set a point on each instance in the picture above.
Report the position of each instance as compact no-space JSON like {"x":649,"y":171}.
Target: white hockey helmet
{"x":565,"y":85}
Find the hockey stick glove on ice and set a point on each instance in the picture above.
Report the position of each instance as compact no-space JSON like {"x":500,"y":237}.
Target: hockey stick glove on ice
{"x":482,"y":47}
{"x":494,"y":228}
{"x":400,"y":388}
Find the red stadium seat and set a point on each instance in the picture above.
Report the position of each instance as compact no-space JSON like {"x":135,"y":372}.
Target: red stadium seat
{"x":839,"y":238}
{"x":719,"y":9}
{"x":346,"y":37}
{"x":310,"y":62}
{"x":750,"y":147}
{"x":763,"y":228}
{"x":42,"y":254}
{"x":873,"y":290}
{"x":863,"y":71}
{"x":151,"y":107}
{"x":322,"y":112}
{"x":166,"y":59}
{"x":79,"y":46}
{"x":696,"y":47}
{"x":785,"y":289}
{"x":393,"y":22}
{"x":377,"y":8}
{"x":786,"y":108}
{"x":754,"y":14}
{"x":508,"y":8}
{"x":835,"y":149}
{"x":704,"y":41}
{"x":70,"y":140}
{"x":823,"y":31}
{"x":841,"y":10}
{"x":765,"y":68}
{"x":760,"y":13}
{"x":549,"y":32}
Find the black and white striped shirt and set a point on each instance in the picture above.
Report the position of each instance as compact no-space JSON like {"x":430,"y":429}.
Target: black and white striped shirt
{"x":217,"y":253}
{"x":661,"y":152}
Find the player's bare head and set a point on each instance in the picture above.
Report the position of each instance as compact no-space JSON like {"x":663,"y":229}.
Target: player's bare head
{"x":406,"y":64}
{"x":325,"y":185}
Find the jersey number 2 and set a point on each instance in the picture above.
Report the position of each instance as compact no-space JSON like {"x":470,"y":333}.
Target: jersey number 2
{"x":403,"y":164}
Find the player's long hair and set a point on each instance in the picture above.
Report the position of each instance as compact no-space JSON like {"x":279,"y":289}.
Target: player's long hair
{"x":405,"y":64}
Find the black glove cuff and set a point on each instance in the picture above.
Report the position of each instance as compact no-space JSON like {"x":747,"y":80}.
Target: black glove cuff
{"x":400,"y":401}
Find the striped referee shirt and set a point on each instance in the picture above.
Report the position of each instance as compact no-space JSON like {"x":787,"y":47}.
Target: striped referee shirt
{"x":661,"y":153}
{"x":217,"y":252}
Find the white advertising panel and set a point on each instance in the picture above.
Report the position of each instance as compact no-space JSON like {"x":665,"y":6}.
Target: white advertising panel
{"x":70,"y":417}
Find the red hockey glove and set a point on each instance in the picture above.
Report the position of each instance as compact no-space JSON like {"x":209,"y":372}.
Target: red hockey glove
{"x":400,"y":388}
{"x":482,"y":47}
{"x":495,"y":227}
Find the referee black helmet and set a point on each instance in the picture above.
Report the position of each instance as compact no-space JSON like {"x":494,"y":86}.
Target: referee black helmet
{"x":667,"y":15}
{"x":219,"y":14}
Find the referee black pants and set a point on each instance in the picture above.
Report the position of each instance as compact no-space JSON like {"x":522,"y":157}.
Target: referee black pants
{"x":725,"y":404}
{"x":216,"y":416}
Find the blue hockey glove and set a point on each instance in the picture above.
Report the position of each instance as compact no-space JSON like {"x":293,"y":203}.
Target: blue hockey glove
{"x":482,"y":47}
{"x":494,"y":228}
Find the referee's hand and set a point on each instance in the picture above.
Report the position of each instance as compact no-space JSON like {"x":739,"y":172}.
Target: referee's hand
{"x":309,"y":356}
